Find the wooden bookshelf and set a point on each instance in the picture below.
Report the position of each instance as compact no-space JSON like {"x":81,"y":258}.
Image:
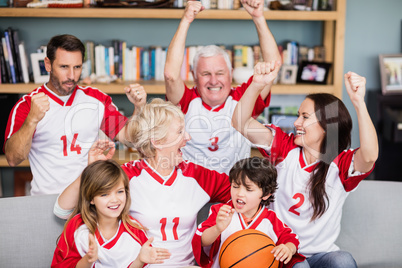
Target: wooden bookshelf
{"x":158,"y":87}
{"x":120,"y":156}
{"x":332,"y":39}
{"x":138,"y":13}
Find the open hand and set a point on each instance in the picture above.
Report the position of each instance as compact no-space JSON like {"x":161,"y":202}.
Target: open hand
{"x":282,"y":253}
{"x":149,"y":254}
{"x":92,"y":249}
{"x":98,"y":150}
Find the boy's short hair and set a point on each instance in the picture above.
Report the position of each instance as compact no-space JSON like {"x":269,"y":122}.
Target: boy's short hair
{"x":258,"y":170}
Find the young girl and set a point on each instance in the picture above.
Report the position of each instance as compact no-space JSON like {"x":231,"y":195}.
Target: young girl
{"x":253,"y":184}
{"x":100,"y":231}
{"x":316,"y":171}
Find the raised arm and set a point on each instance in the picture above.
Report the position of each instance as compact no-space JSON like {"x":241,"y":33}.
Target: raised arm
{"x":269,"y":48}
{"x":223,"y":220}
{"x":367,"y":154}
{"x":19,"y":144}
{"x":68,"y":199}
{"x":137,"y":95}
{"x":242,"y":120}
{"x":175,"y":53}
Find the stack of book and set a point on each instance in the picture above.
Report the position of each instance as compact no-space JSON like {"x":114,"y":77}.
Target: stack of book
{"x":135,"y":63}
{"x":293,"y":54}
{"x":126,"y":63}
{"x":13,"y":61}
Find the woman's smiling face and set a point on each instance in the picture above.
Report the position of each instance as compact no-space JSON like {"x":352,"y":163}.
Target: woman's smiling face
{"x":309,"y":133}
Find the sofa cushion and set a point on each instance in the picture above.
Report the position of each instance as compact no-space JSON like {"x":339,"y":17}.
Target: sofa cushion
{"x":28,"y":231}
{"x":372,"y":224}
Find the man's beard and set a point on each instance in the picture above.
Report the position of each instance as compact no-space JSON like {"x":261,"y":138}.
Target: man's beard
{"x":58,"y":86}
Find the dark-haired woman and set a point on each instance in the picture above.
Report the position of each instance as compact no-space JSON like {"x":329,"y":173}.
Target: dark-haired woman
{"x":316,"y":168}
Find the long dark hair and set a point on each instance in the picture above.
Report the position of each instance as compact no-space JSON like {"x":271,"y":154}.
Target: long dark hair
{"x":335,"y":119}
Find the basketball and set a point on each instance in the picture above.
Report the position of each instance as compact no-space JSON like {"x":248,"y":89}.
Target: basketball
{"x":247,"y":248}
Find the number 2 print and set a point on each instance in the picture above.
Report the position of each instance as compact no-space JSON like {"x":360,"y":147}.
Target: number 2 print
{"x":298,"y":204}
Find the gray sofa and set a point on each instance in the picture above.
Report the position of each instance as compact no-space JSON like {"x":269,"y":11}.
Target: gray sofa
{"x":371,"y":227}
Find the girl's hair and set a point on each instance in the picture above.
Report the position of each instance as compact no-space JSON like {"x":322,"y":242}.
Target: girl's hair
{"x":258,"y":170}
{"x":334,"y":118}
{"x":99,"y":178}
{"x":151,"y":124}
{"x":210,"y":51}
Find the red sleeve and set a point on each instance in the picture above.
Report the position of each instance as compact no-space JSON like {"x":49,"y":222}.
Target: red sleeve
{"x":141,"y":237}
{"x":188,"y":96}
{"x":285,"y":235}
{"x":343,"y":161}
{"x":215,"y":184}
{"x":133,"y":168}
{"x":282,"y":144}
{"x":203,"y":259}
{"x":18,"y":115}
{"x":260,"y":104}
{"x":66,"y":253}
{"x":113,"y":120}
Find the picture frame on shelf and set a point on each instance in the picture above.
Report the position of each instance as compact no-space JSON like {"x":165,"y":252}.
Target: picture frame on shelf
{"x":312,"y":72}
{"x":391,"y":73}
{"x":38,"y":68}
{"x":289,"y":74}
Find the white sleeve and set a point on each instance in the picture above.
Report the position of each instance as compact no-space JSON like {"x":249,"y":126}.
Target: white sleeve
{"x":61,"y":213}
{"x":352,"y":172}
{"x":267,"y":148}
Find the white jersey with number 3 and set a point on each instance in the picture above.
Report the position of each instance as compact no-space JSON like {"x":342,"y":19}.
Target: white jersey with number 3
{"x":214,"y":143}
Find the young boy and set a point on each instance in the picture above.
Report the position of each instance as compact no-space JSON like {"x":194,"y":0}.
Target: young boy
{"x":253,"y":183}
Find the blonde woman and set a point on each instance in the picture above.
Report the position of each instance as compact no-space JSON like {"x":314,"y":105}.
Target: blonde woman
{"x":166,"y":191}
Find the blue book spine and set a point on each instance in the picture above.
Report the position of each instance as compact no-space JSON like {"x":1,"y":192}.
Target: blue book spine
{"x":10,"y":58}
{"x":145,"y":65}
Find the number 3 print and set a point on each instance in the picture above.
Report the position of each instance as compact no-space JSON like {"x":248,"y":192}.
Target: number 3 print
{"x":214,"y":144}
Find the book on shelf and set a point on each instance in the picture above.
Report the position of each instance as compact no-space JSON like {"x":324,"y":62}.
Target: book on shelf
{"x":24,"y":63}
{"x":10,"y":57}
{"x":147,"y":63}
{"x":14,"y":42}
{"x":122,"y":61}
{"x":3,"y":70}
{"x":6,"y":72}
{"x":290,"y":53}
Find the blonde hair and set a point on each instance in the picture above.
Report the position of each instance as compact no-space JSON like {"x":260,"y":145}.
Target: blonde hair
{"x":151,"y":125}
